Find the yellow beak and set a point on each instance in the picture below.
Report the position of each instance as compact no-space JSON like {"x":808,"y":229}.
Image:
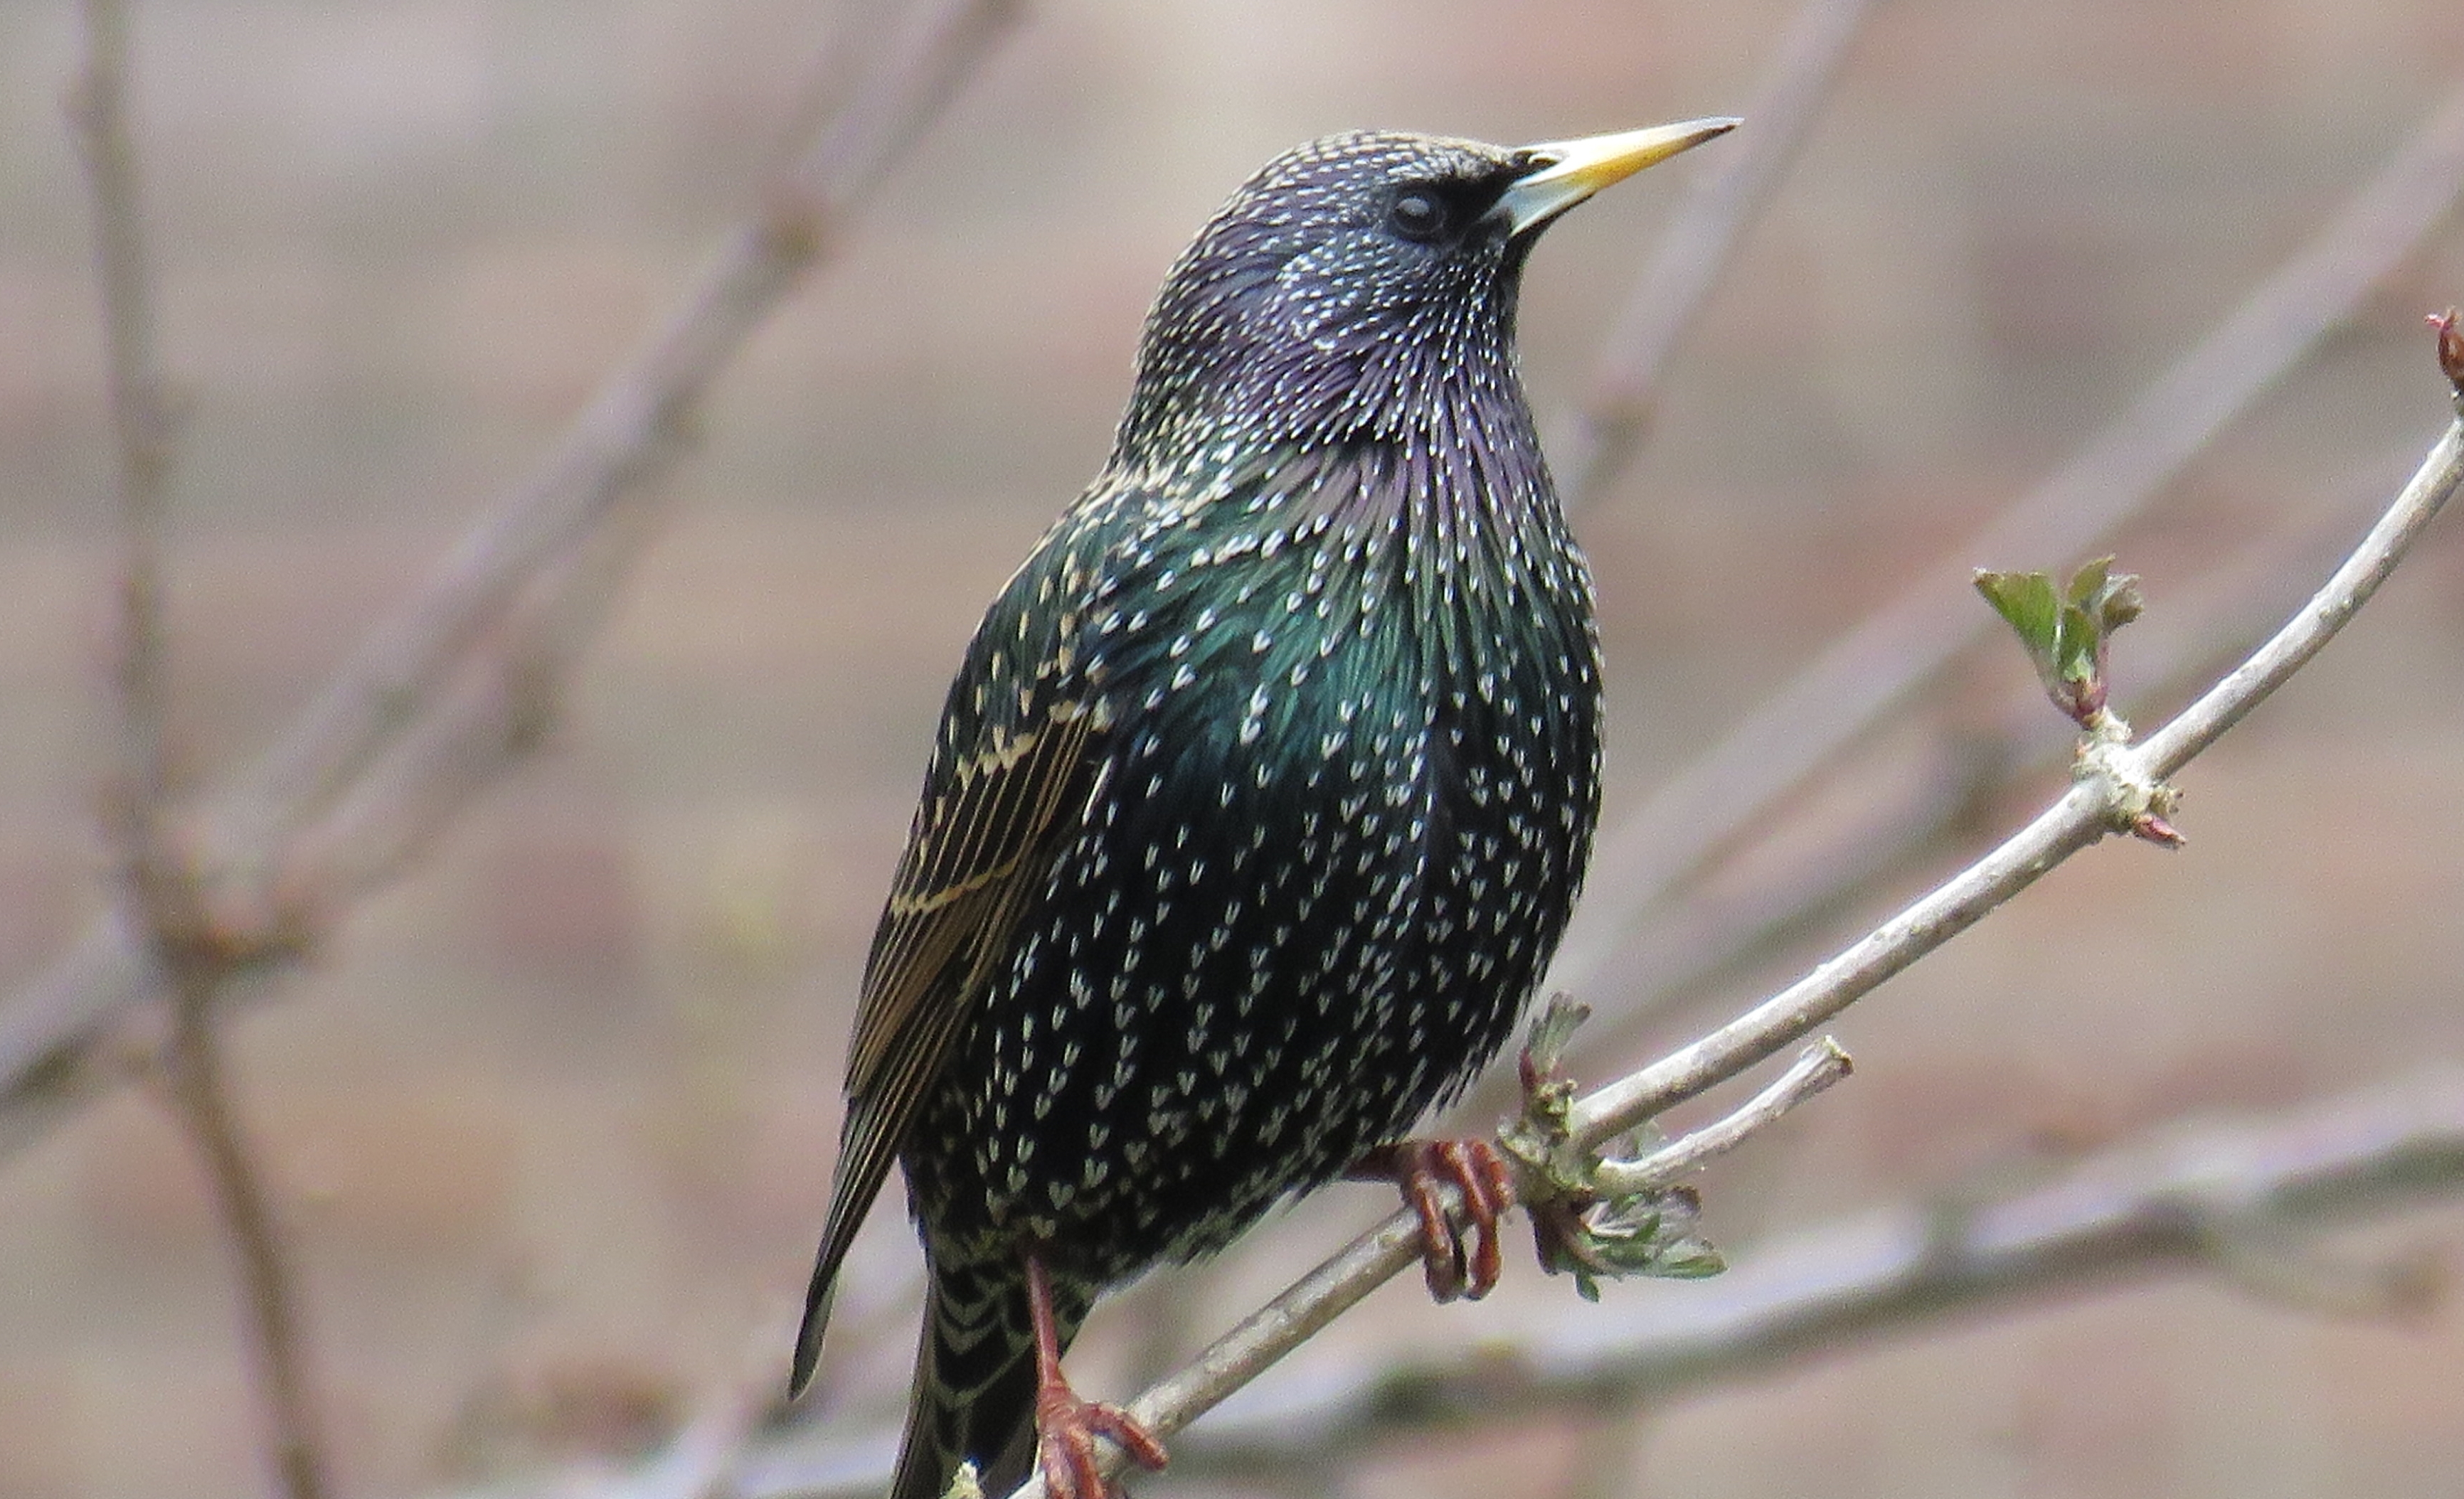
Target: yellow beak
{"x":1570,"y":171}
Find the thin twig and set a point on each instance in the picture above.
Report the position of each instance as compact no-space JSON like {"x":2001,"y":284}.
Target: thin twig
{"x":2092,"y":808}
{"x":287,"y":1395}
{"x":501,"y":704}
{"x":631,"y":430}
{"x":2307,"y":632}
{"x":141,"y":426}
{"x":1821,"y":1065}
{"x":1698,"y":939}
{"x":272,"y":860}
{"x":2100,"y":803}
{"x":155,"y":883}
{"x":1804,"y":724}
{"x":1718,"y":206}
{"x":2178,"y":1200}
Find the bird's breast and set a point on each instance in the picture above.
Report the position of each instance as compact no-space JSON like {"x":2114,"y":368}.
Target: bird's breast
{"x":1346,"y":794}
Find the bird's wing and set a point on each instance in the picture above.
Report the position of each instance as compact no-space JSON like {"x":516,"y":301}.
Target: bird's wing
{"x":961,"y":872}
{"x":981,"y":840}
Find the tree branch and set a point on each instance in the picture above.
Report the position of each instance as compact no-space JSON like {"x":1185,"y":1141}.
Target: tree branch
{"x":2181,"y":1200}
{"x":156,"y":881}
{"x":632,"y":430}
{"x":200,"y":1096}
{"x":2189,"y":1197}
{"x":390,"y":714}
{"x":2111,"y":789}
{"x":1821,"y":1065}
{"x":141,"y":426}
{"x":1939,"y":804}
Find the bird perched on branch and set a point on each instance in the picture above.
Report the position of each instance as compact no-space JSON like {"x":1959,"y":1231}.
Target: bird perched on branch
{"x":1260,"y":800}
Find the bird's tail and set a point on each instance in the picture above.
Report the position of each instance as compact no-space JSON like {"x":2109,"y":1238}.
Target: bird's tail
{"x":974,"y":1377}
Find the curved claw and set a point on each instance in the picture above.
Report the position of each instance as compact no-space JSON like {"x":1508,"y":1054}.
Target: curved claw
{"x":1066,"y":1428}
{"x":1479,"y":1170}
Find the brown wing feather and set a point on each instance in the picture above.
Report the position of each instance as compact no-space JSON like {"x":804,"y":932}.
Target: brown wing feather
{"x":971,"y":862}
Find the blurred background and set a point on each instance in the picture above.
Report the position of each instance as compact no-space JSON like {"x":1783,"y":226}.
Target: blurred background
{"x":549,"y":1122}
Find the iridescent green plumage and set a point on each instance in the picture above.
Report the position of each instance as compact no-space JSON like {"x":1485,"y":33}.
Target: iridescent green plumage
{"x":1266,"y":787}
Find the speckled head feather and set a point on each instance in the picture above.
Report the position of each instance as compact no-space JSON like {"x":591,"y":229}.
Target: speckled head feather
{"x":1330,"y":295}
{"x":1263,"y":794}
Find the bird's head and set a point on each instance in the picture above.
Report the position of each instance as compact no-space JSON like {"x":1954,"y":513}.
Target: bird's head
{"x":1361,"y":282}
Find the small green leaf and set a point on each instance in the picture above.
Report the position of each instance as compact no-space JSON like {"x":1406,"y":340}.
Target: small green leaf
{"x":2120,"y":603}
{"x":2087,"y":583}
{"x":2078,"y":647}
{"x":1649,"y":1233}
{"x":2068,"y":634}
{"x":2025,"y":602}
{"x":2111,"y":599}
{"x":1690,"y":1259}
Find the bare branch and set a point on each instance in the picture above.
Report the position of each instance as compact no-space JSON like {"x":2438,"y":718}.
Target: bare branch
{"x":200,"y":1095}
{"x":1802,"y":726}
{"x":631,"y":432}
{"x":1821,"y":1065}
{"x":390,"y":715}
{"x":2110,"y":791}
{"x":156,"y":881}
{"x":2185,"y":1199}
{"x":499,"y":706}
{"x":2308,"y":632}
{"x":2190,"y":1197}
{"x":141,"y":426}
{"x":1719,"y":205}
{"x":1925,"y":813}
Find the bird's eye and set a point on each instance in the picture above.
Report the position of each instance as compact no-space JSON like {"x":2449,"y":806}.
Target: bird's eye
{"x":1417,"y":214}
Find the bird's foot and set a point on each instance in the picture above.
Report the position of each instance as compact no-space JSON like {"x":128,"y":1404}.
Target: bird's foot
{"x":1481,"y":1172}
{"x":1066,"y":1425}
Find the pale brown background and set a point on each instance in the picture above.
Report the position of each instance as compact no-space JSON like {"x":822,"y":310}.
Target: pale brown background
{"x":552,"y":1118}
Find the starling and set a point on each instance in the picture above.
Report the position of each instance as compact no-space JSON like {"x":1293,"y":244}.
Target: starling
{"x":1260,"y":800}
